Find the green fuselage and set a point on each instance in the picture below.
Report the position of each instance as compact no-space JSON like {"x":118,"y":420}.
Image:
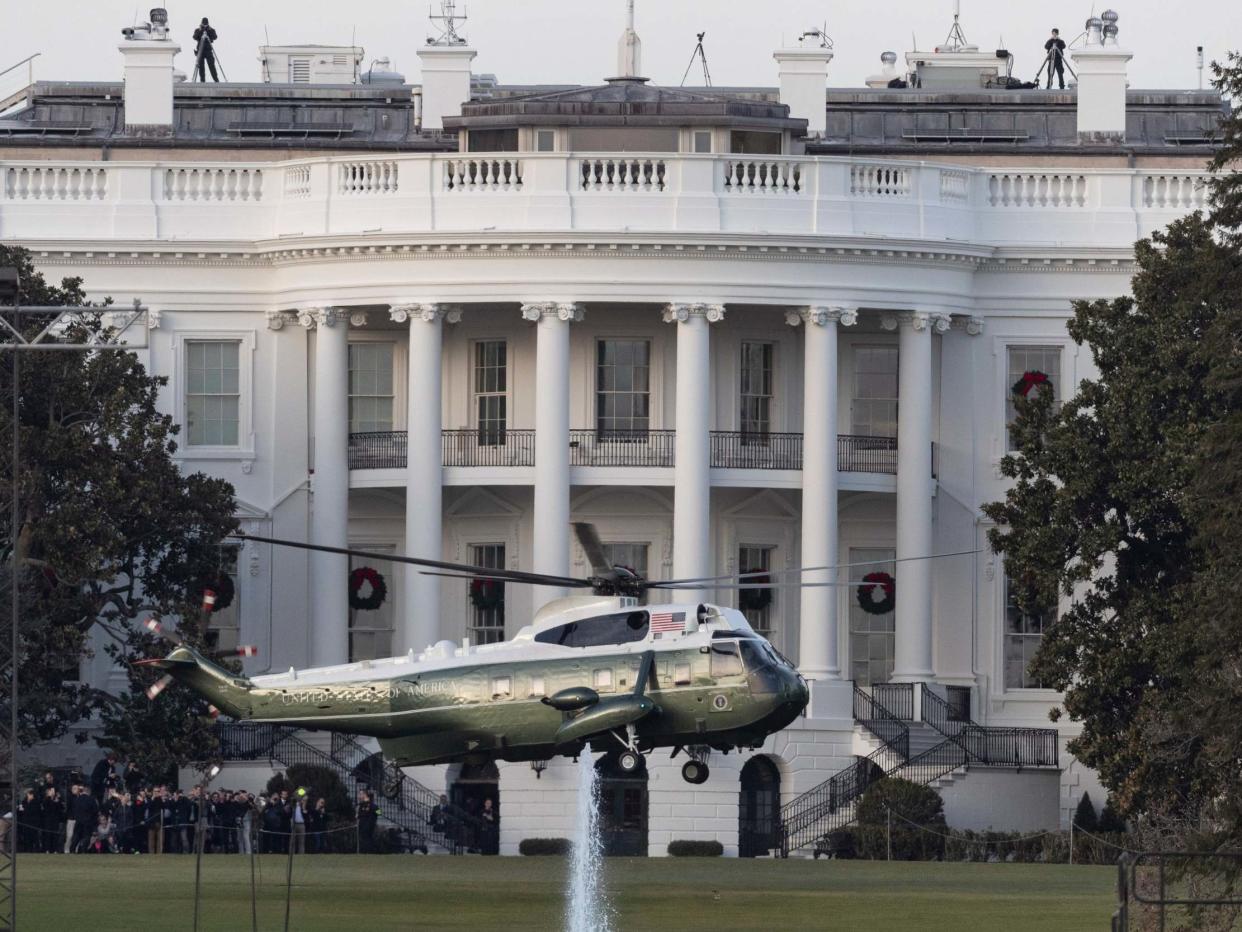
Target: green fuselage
{"x":723,"y":694}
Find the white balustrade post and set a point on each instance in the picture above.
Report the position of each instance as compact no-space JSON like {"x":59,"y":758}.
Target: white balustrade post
{"x":913,"y":648}
{"x":818,"y":651}
{"x":551,"y":518}
{"x":420,"y":622}
{"x":692,"y":494}
{"x":329,"y":629}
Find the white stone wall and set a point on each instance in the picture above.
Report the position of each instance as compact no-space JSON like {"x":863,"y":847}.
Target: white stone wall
{"x":1003,"y":800}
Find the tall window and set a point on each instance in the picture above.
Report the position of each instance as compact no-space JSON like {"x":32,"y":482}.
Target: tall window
{"x":213,"y":393}
{"x":632,"y":556}
{"x":872,"y":637}
{"x":874,"y":405}
{"x":370,"y":631}
{"x":224,"y":626}
{"x":487,"y":622}
{"x":623,"y":389}
{"x":756,"y":390}
{"x":1030,"y":359}
{"x":491,"y":388}
{"x":370,"y":388}
{"x":749,"y":558}
{"x":1023,"y":632}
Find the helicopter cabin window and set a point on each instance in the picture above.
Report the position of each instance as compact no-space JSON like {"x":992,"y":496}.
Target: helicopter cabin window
{"x":487,"y":596}
{"x":224,"y":624}
{"x":502,"y":687}
{"x":622,"y":628}
{"x":681,"y":674}
{"x":725,"y":660}
{"x":603,"y":681}
{"x":536,"y":686}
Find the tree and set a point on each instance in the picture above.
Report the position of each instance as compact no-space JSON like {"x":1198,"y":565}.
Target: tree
{"x":110,"y":529}
{"x":1226,"y":191}
{"x":1084,"y":816}
{"x":918,"y":828}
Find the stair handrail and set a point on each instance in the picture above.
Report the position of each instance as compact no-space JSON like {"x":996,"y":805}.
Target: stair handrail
{"x":991,"y":745}
{"x":891,"y":730}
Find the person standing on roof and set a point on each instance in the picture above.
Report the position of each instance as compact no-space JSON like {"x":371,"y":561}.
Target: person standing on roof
{"x":1055,"y":47}
{"x":205,"y":56}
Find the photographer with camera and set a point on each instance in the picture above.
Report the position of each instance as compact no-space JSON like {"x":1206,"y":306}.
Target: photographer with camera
{"x":205,"y":56}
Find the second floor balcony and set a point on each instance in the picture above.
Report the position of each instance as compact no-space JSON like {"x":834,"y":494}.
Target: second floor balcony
{"x":611,"y":448}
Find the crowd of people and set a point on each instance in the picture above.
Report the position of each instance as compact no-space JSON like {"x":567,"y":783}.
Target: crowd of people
{"x":110,"y":813}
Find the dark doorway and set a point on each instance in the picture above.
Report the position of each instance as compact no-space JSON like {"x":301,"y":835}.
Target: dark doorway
{"x":474,"y":786}
{"x":759,"y":808}
{"x":622,"y":809}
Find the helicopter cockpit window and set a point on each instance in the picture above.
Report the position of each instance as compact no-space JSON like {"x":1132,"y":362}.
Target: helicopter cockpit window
{"x":621,"y":628}
{"x":725,"y":660}
{"x":755,"y":656}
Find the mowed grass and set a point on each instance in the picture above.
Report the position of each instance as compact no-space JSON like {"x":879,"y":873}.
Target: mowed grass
{"x":376,"y":894}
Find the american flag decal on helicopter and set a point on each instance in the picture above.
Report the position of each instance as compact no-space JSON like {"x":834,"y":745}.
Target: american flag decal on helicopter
{"x":667,"y":621}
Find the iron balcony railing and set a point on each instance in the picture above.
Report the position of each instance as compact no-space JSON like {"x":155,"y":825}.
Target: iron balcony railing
{"x":621,"y":447}
{"x":730,"y":449}
{"x":990,"y":745}
{"x":896,"y":698}
{"x":882,"y":722}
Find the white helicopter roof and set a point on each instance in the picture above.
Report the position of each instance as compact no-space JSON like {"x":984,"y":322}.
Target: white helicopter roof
{"x":443,"y":655}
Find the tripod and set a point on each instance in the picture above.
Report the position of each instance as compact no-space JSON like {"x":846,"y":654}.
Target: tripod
{"x":200,"y":61}
{"x":1048,"y":63}
{"x":698,"y":54}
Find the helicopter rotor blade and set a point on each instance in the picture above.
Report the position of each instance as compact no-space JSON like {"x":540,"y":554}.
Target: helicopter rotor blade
{"x":593,"y":547}
{"x":537,"y":579}
{"x":153,"y":625}
{"x":698,"y":581}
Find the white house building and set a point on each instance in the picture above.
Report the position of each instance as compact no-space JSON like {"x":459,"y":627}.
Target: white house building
{"x":737,"y":329}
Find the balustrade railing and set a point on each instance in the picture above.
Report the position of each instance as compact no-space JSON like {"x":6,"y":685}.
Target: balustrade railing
{"x":213,"y":185}
{"x":734,"y":449}
{"x":483,"y":174}
{"x":621,"y":447}
{"x":762,"y":176}
{"x":622,"y":173}
{"x":880,"y":181}
{"x":369,"y":177}
{"x":52,"y":183}
{"x":1036,"y":189}
{"x":488,"y":447}
{"x":1175,"y":192}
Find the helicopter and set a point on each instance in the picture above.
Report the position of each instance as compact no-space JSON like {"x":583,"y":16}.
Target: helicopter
{"x":596,"y":671}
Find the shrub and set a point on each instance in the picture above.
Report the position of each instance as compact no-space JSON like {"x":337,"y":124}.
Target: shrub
{"x":1110,"y":821}
{"x":841,"y":843}
{"x":695,"y":849}
{"x":544,"y":846}
{"x":909,"y":802}
{"x":1084,"y":816}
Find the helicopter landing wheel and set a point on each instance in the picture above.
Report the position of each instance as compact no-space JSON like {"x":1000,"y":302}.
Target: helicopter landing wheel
{"x":629,"y":761}
{"x":694,"y":772}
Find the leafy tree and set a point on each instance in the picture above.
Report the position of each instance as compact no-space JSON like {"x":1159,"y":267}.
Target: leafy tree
{"x":918,"y":826}
{"x":1110,"y":821}
{"x":1084,"y":816}
{"x":109,"y":531}
{"x":1226,"y":193}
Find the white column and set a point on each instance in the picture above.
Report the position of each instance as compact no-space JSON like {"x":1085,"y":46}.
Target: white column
{"x":818,"y":637}
{"x":913,"y":661}
{"x":551,"y":532}
{"x":329,"y":628}
{"x":692,"y":491}
{"x":419,"y":626}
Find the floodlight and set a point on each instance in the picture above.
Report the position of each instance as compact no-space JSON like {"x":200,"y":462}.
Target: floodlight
{"x":159,"y":16}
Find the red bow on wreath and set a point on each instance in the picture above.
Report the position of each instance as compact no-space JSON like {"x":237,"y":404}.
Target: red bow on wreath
{"x":366,"y":576}
{"x":1028,"y":381}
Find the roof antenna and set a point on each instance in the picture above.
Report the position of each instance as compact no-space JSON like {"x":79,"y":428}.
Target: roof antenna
{"x":446,"y":24}
{"x":701,"y":55}
{"x":956,"y":40}
{"x":825,"y":41}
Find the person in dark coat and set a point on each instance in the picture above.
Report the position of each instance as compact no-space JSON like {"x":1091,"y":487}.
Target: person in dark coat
{"x":270,"y":834}
{"x":368,"y":817}
{"x":185,"y":815}
{"x":317,"y":826}
{"x":29,"y":823}
{"x":1055,"y":47}
{"x":204,"y":44}
{"x":103,"y":776}
{"x":85,"y":813}
{"x":51,"y":818}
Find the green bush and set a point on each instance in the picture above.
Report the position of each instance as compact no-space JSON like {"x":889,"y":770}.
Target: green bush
{"x":909,"y":802}
{"x":842,"y":844}
{"x":695,"y":849}
{"x":1045,"y":848}
{"x":1110,"y":821}
{"x":544,"y":846}
{"x":1084,"y":816}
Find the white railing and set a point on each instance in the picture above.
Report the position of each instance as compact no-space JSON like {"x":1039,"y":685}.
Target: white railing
{"x":554,"y":193}
{"x":52,"y":183}
{"x":1026,"y":189}
{"x":483,"y":174}
{"x":1175,"y":192}
{"x":370,"y":177}
{"x":879,"y":181}
{"x":213,"y":184}
{"x":622,"y":173}
{"x":752,"y":176}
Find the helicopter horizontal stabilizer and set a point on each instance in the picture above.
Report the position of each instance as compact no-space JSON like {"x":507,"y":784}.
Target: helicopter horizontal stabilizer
{"x":166,"y":663}
{"x":605,"y":715}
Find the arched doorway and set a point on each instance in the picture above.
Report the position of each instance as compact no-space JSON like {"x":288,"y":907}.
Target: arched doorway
{"x":622,"y":809}
{"x":759,"y":808}
{"x":474,"y":785}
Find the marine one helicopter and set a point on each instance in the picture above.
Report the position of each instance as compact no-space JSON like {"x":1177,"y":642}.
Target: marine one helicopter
{"x":596,"y":670}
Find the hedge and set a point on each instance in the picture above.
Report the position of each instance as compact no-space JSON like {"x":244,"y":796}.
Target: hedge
{"x":695,"y":849}
{"x":543,"y":846}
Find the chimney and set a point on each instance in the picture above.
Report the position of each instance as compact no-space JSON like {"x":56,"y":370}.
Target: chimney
{"x":1101,"y":67}
{"x":804,"y":85}
{"x":148,"y":52}
{"x":446,"y":82}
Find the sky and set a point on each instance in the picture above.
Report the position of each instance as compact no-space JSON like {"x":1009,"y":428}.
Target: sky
{"x":574,"y":41}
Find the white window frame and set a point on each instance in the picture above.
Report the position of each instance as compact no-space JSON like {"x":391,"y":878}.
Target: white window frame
{"x":396,"y":388}
{"x":1001,"y":384}
{"x":654,"y":365}
{"x":472,"y":412}
{"x":1002,"y":629}
{"x":179,"y":382}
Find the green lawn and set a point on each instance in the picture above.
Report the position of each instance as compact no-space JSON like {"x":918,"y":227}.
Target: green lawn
{"x":375,"y":894}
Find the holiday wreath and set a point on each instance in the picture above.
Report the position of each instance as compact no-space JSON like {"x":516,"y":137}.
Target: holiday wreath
{"x":222,"y":586}
{"x":1029,"y":380}
{"x":486,"y":594}
{"x":867,"y":594}
{"x":758,"y":598}
{"x":362,"y":576}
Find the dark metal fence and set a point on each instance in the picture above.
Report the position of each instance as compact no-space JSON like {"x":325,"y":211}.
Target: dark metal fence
{"x":488,"y":447}
{"x":882,"y":723}
{"x":896,"y":698}
{"x":829,"y":806}
{"x":867,"y":454}
{"x":621,"y":447}
{"x":736,"y":449}
{"x":1151,"y":884}
{"x":386,"y":450}
{"x":990,"y":745}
